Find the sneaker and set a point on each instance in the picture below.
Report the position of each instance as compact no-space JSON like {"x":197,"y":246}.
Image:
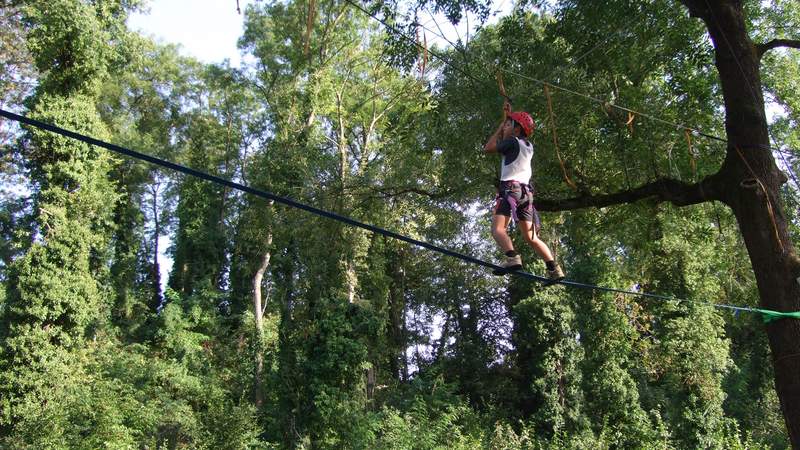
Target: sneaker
{"x":512,"y":263}
{"x":556,"y":274}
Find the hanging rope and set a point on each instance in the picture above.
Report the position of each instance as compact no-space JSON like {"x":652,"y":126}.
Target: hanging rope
{"x":424,"y":62}
{"x":766,"y":197}
{"x":767,"y":315}
{"x":555,"y":139}
{"x":502,"y":85}
{"x":629,"y":123}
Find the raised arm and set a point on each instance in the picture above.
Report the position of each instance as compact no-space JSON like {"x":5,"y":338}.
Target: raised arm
{"x":491,"y":144}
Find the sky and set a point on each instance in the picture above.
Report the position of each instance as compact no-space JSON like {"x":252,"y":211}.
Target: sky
{"x":205,"y":29}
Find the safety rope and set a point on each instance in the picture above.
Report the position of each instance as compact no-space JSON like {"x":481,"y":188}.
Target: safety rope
{"x":767,"y":315}
{"x":692,"y":160}
{"x":569,"y":182}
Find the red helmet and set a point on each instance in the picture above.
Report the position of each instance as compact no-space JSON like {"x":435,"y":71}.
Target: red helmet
{"x":524,"y":120}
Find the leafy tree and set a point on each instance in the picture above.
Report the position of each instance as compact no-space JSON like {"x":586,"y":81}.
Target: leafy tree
{"x":280,"y":329}
{"x":746,"y":179}
{"x":57,"y":290}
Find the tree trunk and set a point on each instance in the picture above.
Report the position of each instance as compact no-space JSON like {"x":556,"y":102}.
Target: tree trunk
{"x":396,"y":330}
{"x":156,"y":270}
{"x":258,"y":312}
{"x":750,"y":182}
{"x":342,"y":143}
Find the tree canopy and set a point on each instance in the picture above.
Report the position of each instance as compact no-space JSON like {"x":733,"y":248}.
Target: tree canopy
{"x":280,"y":329}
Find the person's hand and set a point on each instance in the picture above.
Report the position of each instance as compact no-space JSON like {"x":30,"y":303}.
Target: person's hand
{"x":506,"y":108}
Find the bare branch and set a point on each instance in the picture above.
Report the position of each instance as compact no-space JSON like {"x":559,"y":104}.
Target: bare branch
{"x":399,"y":191}
{"x":775,"y":43}
{"x":664,"y":190}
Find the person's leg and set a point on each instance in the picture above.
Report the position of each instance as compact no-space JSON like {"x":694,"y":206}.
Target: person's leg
{"x":528,"y":231}
{"x":513,"y":260}
{"x":499,"y":226}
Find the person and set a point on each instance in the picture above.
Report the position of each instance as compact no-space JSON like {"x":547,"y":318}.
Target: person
{"x":515,"y":195}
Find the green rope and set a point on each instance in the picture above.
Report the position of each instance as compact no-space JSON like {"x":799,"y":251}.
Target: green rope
{"x":770,"y":316}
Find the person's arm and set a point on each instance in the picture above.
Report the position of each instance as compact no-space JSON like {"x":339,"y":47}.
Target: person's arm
{"x":497,"y":136}
{"x":491,"y":145}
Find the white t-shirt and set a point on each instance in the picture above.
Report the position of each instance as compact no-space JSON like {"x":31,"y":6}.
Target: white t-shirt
{"x":516,"y":162}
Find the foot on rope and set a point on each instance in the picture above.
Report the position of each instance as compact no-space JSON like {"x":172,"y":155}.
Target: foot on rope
{"x":554,"y":276}
{"x":511,"y":264}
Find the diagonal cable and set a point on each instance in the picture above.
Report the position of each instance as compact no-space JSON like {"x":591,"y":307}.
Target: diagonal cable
{"x":766,"y":314}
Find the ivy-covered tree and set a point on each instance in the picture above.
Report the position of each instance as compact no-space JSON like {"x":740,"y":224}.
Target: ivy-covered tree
{"x":57,"y":291}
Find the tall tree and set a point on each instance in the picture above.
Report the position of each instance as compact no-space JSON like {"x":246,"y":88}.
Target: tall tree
{"x":747,"y":180}
{"x":339,"y":116}
{"x":57,"y":290}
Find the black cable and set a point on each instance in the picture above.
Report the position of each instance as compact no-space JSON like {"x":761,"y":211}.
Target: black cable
{"x":257,"y":192}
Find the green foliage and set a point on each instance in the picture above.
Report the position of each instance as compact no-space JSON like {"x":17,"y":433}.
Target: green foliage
{"x":364,"y":342}
{"x":73,"y":42}
{"x":453,"y":427}
{"x":325,"y":380}
{"x":548,"y":355}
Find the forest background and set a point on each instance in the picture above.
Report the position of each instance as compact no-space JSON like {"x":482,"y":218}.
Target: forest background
{"x":278,"y":329}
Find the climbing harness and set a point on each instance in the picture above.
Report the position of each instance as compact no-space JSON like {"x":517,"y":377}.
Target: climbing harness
{"x":517,"y":193}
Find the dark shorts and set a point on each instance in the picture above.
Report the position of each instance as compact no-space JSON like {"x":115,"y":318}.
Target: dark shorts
{"x":515,"y":200}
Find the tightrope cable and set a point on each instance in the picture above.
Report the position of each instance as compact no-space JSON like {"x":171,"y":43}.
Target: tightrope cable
{"x":767,"y":315}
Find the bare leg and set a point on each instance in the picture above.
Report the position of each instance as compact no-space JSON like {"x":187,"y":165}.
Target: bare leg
{"x":529,"y":232}
{"x":499,"y":225}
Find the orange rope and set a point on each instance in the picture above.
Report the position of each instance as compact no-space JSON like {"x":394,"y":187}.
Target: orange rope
{"x":499,"y":76}
{"x":502,"y":86}
{"x":424,"y":54}
{"x":629,"y":123}
{"x":555,"y":138}
{"x":766,"y":196}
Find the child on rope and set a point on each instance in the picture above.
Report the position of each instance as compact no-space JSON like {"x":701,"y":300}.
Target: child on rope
{"x":515,"y":195}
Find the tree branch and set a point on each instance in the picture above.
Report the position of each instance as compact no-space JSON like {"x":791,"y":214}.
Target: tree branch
{"x":695,"y":8}
{"x":664,"y":190}
{"x":775,"y":43}
{"x":399,"y":191}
